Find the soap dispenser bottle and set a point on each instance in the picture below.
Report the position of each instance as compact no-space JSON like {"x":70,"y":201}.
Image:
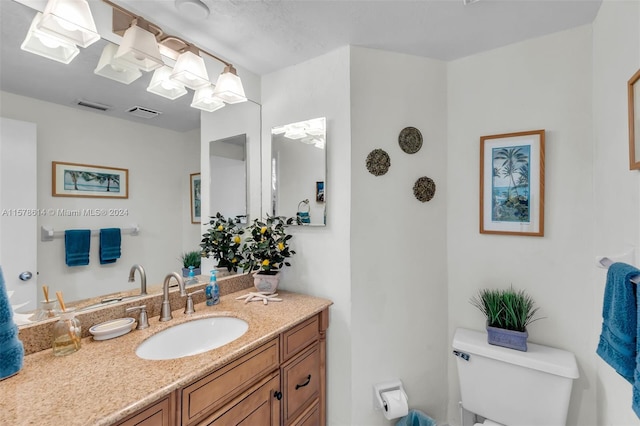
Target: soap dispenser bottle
{"x":212,"y":292}
{"x":191,"y":279}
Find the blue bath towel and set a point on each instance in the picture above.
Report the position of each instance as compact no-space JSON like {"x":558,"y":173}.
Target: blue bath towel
{"x":76,"y":247}
{"x":416,"y":418}
{"x":110,"y":239}
{"x":11,"y":348}
{"x":618,"y":338}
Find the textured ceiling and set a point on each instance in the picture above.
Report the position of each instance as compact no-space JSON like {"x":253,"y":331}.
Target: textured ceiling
{"x":264,"y":36}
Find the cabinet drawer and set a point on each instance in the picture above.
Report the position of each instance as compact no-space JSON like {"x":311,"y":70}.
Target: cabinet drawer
{"x":310,"y":418}
{"x":155,"y":415}
{"x":299,"y":337}
{"x":301,"y":383}
{"x":211,"y":392}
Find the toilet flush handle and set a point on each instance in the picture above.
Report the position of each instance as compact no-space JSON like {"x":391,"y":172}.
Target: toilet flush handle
{"x":462,"y":355}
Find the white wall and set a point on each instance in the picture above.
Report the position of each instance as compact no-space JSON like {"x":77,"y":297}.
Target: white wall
{"x":616,"y":57}
{"x":159,"y":164}
{"x":398,"y":244}
{"x":545,"y":83}
{"x":320,"y":88}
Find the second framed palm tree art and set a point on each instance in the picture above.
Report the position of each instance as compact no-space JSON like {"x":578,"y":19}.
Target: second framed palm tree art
{"x":512,"y":183}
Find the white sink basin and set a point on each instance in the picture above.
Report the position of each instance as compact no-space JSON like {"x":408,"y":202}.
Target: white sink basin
{"x":192,"y":338}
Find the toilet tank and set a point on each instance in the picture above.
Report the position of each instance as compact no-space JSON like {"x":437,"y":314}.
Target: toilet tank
{"x":511,"y":387}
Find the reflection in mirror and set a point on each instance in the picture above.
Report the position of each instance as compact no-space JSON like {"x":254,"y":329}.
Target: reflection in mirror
{"x":298,"y":171}
{"x":228,"y":188}
{"x":160,"y":153}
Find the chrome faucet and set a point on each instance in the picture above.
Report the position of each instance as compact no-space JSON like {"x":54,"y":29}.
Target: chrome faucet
{"x":165,"y":312}
{"x":143,"y":278}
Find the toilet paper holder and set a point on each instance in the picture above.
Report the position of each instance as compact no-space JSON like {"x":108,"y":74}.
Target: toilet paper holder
{"x":380,"y":388}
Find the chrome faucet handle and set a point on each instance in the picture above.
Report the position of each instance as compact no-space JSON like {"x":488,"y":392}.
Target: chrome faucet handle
{"x":143,"y":319}
{"x":188,"y":309}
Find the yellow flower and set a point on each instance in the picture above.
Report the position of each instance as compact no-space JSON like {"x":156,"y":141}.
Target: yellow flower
{"x":234,"y":260}
{"x":263,"y":229}
{"x":280,"y":246}
{"x":220,"y":228}
{"x":236,"y":239}
{"x":265,"y":262}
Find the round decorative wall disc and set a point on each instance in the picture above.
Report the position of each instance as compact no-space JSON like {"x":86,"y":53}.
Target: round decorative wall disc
{"x":410,"y":140}
{"x":378,"y":162}
{"x":424,"y":189}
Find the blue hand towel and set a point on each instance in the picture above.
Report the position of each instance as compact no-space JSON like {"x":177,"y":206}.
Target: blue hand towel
{"x":416,"y":418}
{"x":76,"y":247}
{"x":11,"y":348}
{"x":618,"y":338}
{"x":110,"y":239}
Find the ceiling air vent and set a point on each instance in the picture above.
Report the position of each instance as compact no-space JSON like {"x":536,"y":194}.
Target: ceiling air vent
{"x":93,"y":105}
{"x":143,"y":112}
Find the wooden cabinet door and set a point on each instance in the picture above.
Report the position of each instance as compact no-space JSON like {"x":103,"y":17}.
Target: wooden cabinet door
{"x":155,"y":415}
{"x":260,"y":406}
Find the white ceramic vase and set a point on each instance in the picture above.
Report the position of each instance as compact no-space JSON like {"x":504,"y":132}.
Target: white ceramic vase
{"x":266,"y":281}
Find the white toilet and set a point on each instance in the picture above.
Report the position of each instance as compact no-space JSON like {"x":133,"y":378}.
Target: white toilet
{"x":510,"y":387}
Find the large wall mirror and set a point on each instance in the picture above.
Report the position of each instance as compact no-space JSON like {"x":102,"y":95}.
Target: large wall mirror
{"x":299,"y":171}
{"x":159,"y":153}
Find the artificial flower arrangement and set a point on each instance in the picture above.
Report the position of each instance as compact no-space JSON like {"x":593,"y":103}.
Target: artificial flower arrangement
{"x":223,"y":241}
{"x":266,"y":249}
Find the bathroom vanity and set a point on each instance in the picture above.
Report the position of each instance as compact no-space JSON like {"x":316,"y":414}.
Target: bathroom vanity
{"x":273,"y":374}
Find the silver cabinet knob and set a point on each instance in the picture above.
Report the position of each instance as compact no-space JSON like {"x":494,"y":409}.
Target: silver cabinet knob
{"x":25,"y":276}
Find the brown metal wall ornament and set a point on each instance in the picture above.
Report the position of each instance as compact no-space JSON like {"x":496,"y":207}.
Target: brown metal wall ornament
{"x":410,"y":140}
{"x":424,"y":189}
{"x":378,"y":162}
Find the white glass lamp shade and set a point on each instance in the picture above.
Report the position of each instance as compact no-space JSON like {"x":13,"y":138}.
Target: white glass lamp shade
{"x":114,"y":69}
{"x":140,"y":49}
{"x":205,"y":100}
{"x":46,"y":45}
{"x":162,"y":85}
{"x":70,"y":20}
{"x":191,"y":71}
{"x":229,"y":87}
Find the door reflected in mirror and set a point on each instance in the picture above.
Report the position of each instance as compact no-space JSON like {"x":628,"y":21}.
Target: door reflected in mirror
{"x":228,"y":188}
{"x":298,"y":171}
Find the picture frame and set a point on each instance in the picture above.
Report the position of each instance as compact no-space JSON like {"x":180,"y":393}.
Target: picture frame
{"x":512,"y":183}
{"x":320,"y":191}
{"x":633,"y":95}
{"x":89,"y":181}
{"x":196,"y":202}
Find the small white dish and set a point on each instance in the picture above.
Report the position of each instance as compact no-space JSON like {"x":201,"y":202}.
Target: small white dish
{"x":114,"y":328}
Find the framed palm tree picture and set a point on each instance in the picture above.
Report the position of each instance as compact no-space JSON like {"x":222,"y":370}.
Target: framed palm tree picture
{"x":512,"y":184}
{"x":85,"y":180}
{"x":633,"y":91}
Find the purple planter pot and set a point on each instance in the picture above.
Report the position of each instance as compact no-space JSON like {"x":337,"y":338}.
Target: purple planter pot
{"x":507,"y":338}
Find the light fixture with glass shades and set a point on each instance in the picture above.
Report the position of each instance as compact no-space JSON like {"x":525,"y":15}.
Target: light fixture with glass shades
{"x":70,"y":20}
{"x":161,"y":84}
{"x":46,"y":45}
{"x":229,"y":87}
{"x":140,"y":48}
{"x":110,"y":67}
{"x":66,"y":24}
{"x":190,"y":71}
{"x":205,"y":99}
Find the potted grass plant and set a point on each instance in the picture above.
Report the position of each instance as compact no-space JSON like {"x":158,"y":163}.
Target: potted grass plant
{"x":191,"y":258}
{"x":508,"y":313}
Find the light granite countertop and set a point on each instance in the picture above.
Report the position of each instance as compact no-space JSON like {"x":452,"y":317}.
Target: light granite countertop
{"x":105,"y":381}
